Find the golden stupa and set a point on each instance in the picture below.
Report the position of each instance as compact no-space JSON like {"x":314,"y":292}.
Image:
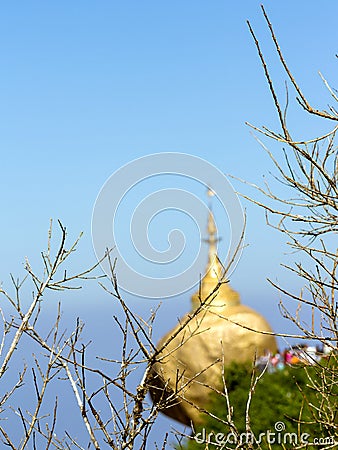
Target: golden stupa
{"x":218,"y":331}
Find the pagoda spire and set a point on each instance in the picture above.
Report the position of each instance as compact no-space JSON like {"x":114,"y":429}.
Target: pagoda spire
{"x":213,"y":268}
{"x":214,"y":271}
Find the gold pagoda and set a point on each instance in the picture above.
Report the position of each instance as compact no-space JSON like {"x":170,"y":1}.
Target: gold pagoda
{"x":218,"y":331}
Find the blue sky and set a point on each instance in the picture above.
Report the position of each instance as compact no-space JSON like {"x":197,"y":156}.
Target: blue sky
{"x":86,"y":87}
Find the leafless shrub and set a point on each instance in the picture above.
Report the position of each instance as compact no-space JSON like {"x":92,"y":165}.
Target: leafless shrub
{"x":309,"y":219}
{"x":110,"y":397}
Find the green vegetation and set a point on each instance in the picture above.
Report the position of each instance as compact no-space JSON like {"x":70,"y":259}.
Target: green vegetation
{"x":283,"y":396}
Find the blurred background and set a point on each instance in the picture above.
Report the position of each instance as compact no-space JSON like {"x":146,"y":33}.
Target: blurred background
{"x":86,"y":87}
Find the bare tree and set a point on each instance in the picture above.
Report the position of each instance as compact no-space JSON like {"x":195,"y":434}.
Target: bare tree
{"x":308,"y":168}
{"x":309,"y":219}
{"x":113,"y":413}
{"x":110,"y":396}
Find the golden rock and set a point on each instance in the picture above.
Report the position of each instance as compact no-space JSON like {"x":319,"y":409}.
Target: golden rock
{"x":219,"y":330}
